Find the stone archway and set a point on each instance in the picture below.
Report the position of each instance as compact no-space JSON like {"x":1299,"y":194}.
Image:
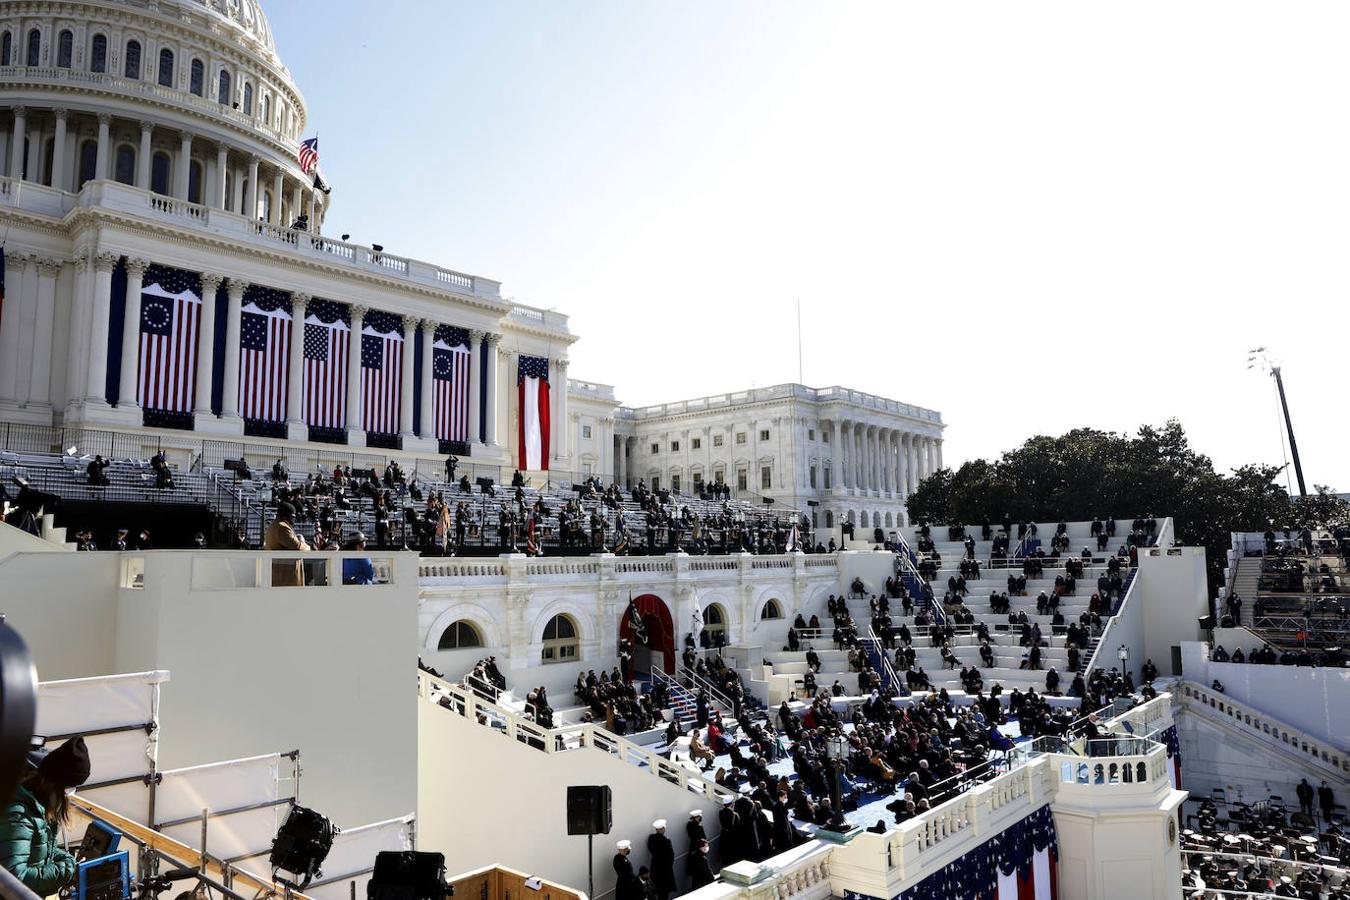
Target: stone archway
{"x":659,"y":628}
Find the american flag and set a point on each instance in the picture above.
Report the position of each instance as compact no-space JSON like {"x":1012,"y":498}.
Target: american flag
{"x":168,"y":349}
{"x":381,"y":362}
{"x":308,"y":157}
{"x":325,"y":368}
{"x":264,"y":355}
{"x":450,"y":373}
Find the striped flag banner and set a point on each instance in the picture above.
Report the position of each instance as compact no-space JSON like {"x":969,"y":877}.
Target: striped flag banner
{"x":170,"y":322}
{"x":325,"y":355}
{"x":264,"y":359}
{"x":532,"y":382}
{"x":381,"y":362}
{"x":450,"y":375}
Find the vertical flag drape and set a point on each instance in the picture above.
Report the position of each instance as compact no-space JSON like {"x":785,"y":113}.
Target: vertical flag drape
{"x":450,"y":378}
{"x":381,"y":359}
{"x":167,"y":354}
{"x":264,"y":354}
{"x":532,"y":382}
{"x":327,"y":337}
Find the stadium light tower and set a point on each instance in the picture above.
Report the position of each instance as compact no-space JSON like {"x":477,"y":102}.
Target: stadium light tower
{"x":1258,"y":358}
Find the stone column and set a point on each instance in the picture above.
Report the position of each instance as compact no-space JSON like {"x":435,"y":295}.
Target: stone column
{"x":183,"y":171}
{"x":495,"y":351}
{"x":76,"y":357}
{"x":834,"y":453}
{"x":561,"y":427}
{"x":475,"y":388}
{"x":206,"y":347}
{"x":97,"y":383}
{"x":40,"y":393}
{"x":356,"y":434}
{"x":222,"y":172}
{"x":60,"y":180}
{"x":938,"y":447}
{"x":19,"y":140}
{"x":15,"y":269}
{"x":295,"y":370}
{"x":278,"y":185}
{"x":297,"y":202}
{"x":869,"y":458}
{"x":131,"y":336}
{"x":229,"y":403}
{"x":104,"y":146}
{"x":251,"y":197}
{"x":143,"y":157}
{"x":932,"y":456}
{"x":884,"y":459}
{"x":405,"y":381}
{"x":428,"y":380}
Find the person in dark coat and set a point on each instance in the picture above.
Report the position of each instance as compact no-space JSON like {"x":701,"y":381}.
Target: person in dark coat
{"x":747,"y":838}
{"x":30,"y":845}
{"x":729,"y":850}
{"x":694,"y":828}
{"x":625,"y":882}
{"x":663,"y":860}
{"x":782,"y":824}
{"x":698,"y":867}
{"x":1326,"y":798}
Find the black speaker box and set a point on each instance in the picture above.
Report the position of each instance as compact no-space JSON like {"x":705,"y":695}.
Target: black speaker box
{"x":589,"y":809}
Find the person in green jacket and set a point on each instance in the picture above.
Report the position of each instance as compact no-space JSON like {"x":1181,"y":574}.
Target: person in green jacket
{"x":29,"y":832}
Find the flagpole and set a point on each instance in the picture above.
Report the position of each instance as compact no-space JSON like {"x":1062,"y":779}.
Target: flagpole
{"x":800,"y":379}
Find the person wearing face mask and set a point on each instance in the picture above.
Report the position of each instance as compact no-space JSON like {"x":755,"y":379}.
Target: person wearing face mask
{"x":29,"y":832}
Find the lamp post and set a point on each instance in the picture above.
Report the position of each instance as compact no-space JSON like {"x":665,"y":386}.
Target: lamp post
{"x":836,"y":748}
{"x":1123,"y":654}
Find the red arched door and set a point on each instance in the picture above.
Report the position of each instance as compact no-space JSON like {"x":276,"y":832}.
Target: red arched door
{"x":656,"y":622}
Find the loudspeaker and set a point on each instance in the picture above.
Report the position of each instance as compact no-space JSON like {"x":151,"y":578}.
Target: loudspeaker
{"x":1207,"y":623}
{"x":589,"y":809}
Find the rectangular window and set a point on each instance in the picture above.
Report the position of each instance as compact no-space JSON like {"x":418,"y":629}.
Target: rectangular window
{"x":764,"y":434}
{"x":740,"y":437}
{"x":656,"y":482}
{"x":719,"y":476}
{"x":675,"y":483}
{"x":824,"y":437}
{"x":586,"y":470}
{"x":656,"y":448}
{"x":740,"y":479}
{"x":766,"y":477}
{"x":717,"y":440}
{"x":813,"y":476}
{"x":674,"y":446}
{"x":698,"y":479}
{"x":585,"y":431}
{"x":696,"y":443}
{"x":827,"y":478}
{"x":810,"y":434}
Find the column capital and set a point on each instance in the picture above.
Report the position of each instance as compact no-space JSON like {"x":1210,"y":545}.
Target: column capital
{"x":106,"y":262}
{"x":105,"y":118}
{"x":358,"y":310}
{"x":253,"y":160}
{"x":60,"y":112}
{"x":503,"y":352}
{"x":476,"y":335}
{"x":48,"y":265}
{"x":147,"y":125}
{"x":560,"y":364}
{"x":300,"y":300}
{"x":236,"y":287}
{"x":494,"y":339}
{"x":136,"y":266}
{"x":19,"y":110}
{"x":184,"y":136}
{"x":211,"y":281}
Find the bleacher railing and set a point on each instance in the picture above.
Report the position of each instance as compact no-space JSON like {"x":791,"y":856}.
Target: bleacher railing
{"x":565,"y":738}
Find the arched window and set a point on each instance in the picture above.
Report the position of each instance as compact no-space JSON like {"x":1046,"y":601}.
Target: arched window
{"x":267,"y":109}
{"x":88,"y":161}
{"x":888,"y":520}
{"x":197,"y":78}
{"x":560,"y":640}
{"x":65,"y":48}
{"x":195,"y":182}
{"x":223,"y":92}
{"x":166,"y":67}
{"x":829,"y":518}
{"x":248,"y":99}
{"x":229,"y":191}
{"x":460,"y":635}
{"x":124,"y":169}
{"x":98,"y":54}
{"x":34,"y":47}
{"x":6,"y":49}
{"x":132,"y":69}
{"x":771,"y":610}
{"x":159,"y":173}
{"x":714,"y":622}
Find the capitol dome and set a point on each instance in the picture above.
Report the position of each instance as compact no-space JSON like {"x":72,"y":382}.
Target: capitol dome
{"x":244,"y":15}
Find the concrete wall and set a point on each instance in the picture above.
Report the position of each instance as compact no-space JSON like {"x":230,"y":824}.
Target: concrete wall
{"x":1174,"y":593}
{"x":482,"y":796}
{"x":65,"y":606}
{"x":1316,"y":700}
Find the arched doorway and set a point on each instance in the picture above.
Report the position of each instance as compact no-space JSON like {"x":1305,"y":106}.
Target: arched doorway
{"x":659,"y":629}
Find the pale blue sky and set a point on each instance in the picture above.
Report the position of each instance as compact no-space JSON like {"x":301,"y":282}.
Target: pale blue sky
{"x":1031,"y":217}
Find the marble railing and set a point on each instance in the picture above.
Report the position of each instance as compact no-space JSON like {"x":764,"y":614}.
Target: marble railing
{"x":516,"y":568}
{"x":1263,"y":727}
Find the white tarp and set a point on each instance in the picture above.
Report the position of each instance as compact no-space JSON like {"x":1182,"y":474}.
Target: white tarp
{"x":220,"y":787}
{"x":82,"y":705}
{"x":353,"y":851}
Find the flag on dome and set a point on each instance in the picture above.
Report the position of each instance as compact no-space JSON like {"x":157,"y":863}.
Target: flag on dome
{"x":532,"y":381}
{"x":308,"y":157}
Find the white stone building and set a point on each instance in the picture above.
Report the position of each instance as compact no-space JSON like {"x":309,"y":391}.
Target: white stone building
{"x":844,"y":454}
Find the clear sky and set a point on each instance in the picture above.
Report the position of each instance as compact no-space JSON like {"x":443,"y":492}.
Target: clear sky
{"x":1031,"y":217}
